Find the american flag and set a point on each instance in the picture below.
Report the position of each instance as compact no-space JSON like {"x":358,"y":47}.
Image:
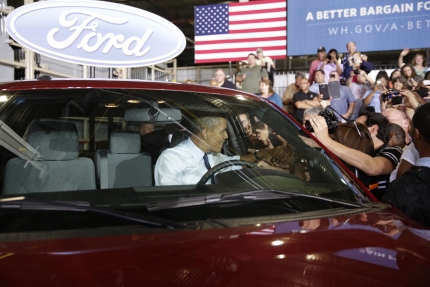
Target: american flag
{"x":229,"y":32}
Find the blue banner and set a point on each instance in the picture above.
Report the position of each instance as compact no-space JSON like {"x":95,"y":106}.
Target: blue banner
{"x":374,"y":25}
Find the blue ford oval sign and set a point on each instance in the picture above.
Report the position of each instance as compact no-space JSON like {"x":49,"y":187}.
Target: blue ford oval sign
{"x":95,"y":33}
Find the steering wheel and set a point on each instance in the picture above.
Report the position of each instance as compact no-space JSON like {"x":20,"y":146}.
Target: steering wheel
{"x":223,"y":165}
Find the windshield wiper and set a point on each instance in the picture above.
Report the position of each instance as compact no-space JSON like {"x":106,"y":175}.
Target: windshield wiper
{"x":23,"y":203}
{"x":243,"y":196}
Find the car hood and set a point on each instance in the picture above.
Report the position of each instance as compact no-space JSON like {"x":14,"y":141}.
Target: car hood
{"x":368,"y":249}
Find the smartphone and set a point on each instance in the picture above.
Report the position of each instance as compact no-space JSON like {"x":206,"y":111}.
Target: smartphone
{"x":334,"y":89}
{"x":324,"y":91}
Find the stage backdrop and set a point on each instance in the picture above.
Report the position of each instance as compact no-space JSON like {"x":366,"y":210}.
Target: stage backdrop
{"x":374,"y":25}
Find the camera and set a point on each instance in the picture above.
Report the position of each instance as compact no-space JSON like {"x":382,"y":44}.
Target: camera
{"x":332,"y":76}
{"x":356,"y":71}
{"x":389,"y":94}
{"x":397,"y":100}
{"x":330,"y":119}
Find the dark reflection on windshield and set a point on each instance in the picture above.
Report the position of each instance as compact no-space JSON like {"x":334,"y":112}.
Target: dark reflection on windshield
{"x":76,"y":131}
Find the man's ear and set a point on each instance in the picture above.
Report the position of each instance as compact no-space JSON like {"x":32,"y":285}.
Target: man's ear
{"x":374,"y":129}
{"x":204,"y":133}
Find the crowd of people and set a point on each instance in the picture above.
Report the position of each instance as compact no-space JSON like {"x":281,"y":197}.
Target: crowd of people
{"x":382,"y":134}
{"x":388,"y":142}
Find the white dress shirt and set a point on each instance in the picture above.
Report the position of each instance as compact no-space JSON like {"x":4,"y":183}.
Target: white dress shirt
{"x":184,"y":164}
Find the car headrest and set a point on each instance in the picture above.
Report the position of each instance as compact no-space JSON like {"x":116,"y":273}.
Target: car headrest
{"x":55,"y":140}
{"x":124,"y":142}
{"x":178,"y":137}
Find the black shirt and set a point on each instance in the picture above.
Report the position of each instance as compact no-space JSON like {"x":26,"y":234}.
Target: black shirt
{"x":229,"y":85}
{"x":301,"y":96}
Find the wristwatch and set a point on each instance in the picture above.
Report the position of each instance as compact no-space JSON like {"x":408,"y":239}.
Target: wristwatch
{"x":255,"y":154}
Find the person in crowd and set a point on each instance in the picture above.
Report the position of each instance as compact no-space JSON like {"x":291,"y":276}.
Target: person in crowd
{"x":359,"y":88}
{"x":331,"y":64}
{"x":408,"y":72}
{"x":222,"y":81}
{"x":345,"y":104}
{"x":319,"y":79}
{"x":213,"y":83}
{"x":373,"y":97}
{"x":347,"y":59}
{"x":355,"y":136}
{"x":189,"y":81}
{"x":188,"y":161}
{"x":251,"y":76}
{"x":287,"y":97}
{"x":419,"y":63}
{"x":267,"y":92}
{"x":266,"y":62}
{"x":397,"y":136}
{"x":373,"y":171}
{"x":394,"y":74}
{"x":146,"y":129}
{"x":304,"y":99}
{"x":321,"y":56}
{"x":410,"y":193}
{"x":396,"y":116}
{"x":427,"y":76}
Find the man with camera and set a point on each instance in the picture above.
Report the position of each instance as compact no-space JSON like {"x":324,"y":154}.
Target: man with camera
{"x":374,"y":171}
{"x":359,"y":88}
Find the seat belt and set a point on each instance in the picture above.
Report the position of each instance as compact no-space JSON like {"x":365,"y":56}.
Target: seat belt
{"x":104,"y":172}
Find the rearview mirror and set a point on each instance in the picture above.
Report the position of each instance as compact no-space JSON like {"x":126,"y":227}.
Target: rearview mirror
{"x":154,"y":114}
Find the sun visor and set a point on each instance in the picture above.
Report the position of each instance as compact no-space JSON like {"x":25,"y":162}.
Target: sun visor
{"x":153,"y":115}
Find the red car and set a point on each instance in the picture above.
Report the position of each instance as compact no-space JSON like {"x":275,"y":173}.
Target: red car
{"x":79,"y":205}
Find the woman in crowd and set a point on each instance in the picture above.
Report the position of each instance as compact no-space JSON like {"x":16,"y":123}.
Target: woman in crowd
{"x":419,"y":63}
{"x":267,"y":92}
{"x":330,"y":64}
{"x":373,"y":97}
{"x":408,"y":72}
{"x":396,"y":73}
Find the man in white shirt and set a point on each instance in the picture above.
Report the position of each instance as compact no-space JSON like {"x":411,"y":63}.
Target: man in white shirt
{"x":187,"y":162}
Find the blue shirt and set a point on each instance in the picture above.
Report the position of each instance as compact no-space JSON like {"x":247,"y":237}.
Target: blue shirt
{"x":276,"y":99}
{"x":375,"y":101}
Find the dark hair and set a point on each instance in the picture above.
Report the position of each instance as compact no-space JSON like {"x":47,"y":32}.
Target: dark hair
{"x":347,"y":135}
{"x":321,"y":71}
{"x":382,"y":74}
{"x":421,"y":120}
{"x":402,"y":80}
{"x":392,"y":74}
{"x":197,"y":124}
{"x":384,"y":126}
{"x":427,"y":76}
{"x":412,"y":68}
{"x":252,"y":55}
{"x":334,"y":50}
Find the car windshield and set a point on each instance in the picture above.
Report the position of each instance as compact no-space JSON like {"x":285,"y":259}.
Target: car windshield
{"x":93,"y":145}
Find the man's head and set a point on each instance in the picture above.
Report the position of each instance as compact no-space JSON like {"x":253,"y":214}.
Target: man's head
{"x":146,"y":129}
{"x":334,"y":77}
{"x":310,"y":112}
{"x":378,"y":126}
{"x":299,"y":77}
{"x":209,"y":133}
{"x":220,"y":76}
{"x":304,"y":85}
{"x":351,"y":47}
{"x":398,"y":117}
{"x":420,"y":132}
{"x":251,"y":60}
{"x":397,"y":136}
{"x":320,"y":76}
{"x":213,"y":82}
{"x":322,"y":54}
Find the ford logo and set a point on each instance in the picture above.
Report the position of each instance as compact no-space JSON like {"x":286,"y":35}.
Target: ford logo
{"x":95,"y":33}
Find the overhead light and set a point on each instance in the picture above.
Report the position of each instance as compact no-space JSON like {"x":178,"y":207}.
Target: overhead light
{"x":111,"y":105}
{"x":3,"y":99}
{"x":133,"y":101}
{"x":161,"y":102}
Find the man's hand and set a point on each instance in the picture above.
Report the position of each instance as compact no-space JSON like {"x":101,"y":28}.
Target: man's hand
{"x":320,"y":128}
